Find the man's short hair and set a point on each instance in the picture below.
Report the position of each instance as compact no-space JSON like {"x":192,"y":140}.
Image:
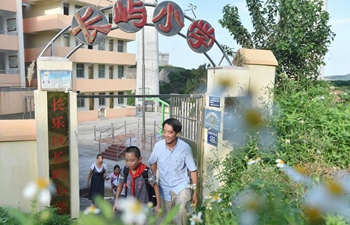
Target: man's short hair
{"x":174,"y":123}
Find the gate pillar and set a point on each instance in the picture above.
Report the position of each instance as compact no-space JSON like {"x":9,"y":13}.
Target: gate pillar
{"x":227,"y":87}
{"x":56,"y":130}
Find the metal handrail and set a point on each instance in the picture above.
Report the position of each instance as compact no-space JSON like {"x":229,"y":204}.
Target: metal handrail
{"x":127,"y":134}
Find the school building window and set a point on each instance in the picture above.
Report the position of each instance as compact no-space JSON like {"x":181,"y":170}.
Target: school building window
{"x":110,"y":43}
{"x":66,"y":40}
{"x":102,"y":101}
{"x":65,"y":9}
{"x":77,"y":7}
{"x":101,"y":71}
{"x":120,"y":71}
{"x":120,"y":46}
{"x":81,"y":102}
{"x":120,"y":99}
{"x":80,"y":70}
{"x":101,"y":46}
{"x":110,"y":18}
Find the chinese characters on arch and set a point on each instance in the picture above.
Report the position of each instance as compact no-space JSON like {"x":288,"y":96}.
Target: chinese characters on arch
{"x":90,"y":25}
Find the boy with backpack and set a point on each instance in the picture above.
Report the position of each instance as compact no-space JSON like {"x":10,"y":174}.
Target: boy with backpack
{"x":139,"y":180}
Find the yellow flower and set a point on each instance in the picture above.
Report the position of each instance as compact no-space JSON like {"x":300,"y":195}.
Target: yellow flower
{"x":91,"y":210}
{"x":334,"y":188}
{"x":253,"y":117}
{"x":314,"y":215}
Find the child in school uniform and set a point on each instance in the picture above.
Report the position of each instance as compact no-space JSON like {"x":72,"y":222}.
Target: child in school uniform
{"x":134,"y":180}
{"x":114,"y":177}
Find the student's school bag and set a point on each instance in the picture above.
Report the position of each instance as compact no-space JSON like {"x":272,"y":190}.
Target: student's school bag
{"x":150,"y":190}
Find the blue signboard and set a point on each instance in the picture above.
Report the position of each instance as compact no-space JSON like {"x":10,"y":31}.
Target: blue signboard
{"x":214,"y":101}
{"x":212,"y":120}
{"x":212,"y":138}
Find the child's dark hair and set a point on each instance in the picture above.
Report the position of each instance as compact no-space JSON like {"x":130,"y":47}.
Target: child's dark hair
{"x":98,"y":155}
{"x":135,"y":150}
{"x":116,"y":166}
{"x":174,"y":123}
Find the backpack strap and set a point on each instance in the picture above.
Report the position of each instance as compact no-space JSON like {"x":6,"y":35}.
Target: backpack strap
{"x":145,"y":173}
{"x":126,"y":172}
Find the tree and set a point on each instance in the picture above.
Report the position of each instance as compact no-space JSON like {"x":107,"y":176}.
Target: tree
{"x":197,"y":83}
{"x":296,"y":31}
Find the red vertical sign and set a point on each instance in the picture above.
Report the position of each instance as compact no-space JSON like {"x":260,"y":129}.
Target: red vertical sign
{"x":58,"y":127}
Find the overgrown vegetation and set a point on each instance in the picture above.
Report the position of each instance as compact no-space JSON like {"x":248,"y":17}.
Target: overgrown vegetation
{"x":309,"y":129}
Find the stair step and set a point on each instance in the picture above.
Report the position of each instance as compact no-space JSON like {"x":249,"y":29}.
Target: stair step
{"x":112,"y":152}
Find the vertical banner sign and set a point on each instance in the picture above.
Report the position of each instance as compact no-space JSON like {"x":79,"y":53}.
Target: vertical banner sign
{"x":58,"y":126}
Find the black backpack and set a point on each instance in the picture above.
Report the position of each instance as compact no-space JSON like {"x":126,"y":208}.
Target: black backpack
{"x":150,"y":190}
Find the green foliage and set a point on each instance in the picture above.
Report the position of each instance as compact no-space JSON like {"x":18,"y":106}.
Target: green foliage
{"x":197,"y":82}
{"x":314,"y":122}
{"x":184,"y":81}
{"x":131,"y":101}
{"x":295,"y":31}
{"x":48,"y":216}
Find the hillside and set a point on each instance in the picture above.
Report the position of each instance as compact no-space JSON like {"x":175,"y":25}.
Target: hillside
{"x":338,"y":77}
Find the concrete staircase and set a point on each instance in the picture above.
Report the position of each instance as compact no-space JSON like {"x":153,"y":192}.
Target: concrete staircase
{"x":113,"y":151}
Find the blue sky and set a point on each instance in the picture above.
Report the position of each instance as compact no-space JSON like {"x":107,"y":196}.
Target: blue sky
{"x":337,"y":60}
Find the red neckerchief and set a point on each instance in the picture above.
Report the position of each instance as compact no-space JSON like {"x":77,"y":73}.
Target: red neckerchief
{"x":138,"y":172}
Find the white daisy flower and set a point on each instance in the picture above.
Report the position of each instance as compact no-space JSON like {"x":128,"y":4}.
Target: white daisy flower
{"x":133,"y":210}
{"x":208,"y":206}
{"x":295,"y":175}
{"x":216,"y":198}
{"x":196,"y":218}
{"x":251,"y":162}
{"x":280,"y":163}
{"x":40,"y":189}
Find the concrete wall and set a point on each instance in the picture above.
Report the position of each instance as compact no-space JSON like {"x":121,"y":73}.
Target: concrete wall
{"x":120,"y":112}
{"x":18,"y":161}
{"x":7,"y":100}
{"x":10,"y":80}
{"x":84,"y":116}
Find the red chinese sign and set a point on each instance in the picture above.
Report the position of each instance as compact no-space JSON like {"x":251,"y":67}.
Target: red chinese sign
{"x":89,"y":19}
{"x":168,"y":18}
{"x":200,"y":36}
{"x":90,"y":26}
{"x":58,"y":121}
{"x":129,"y":15}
